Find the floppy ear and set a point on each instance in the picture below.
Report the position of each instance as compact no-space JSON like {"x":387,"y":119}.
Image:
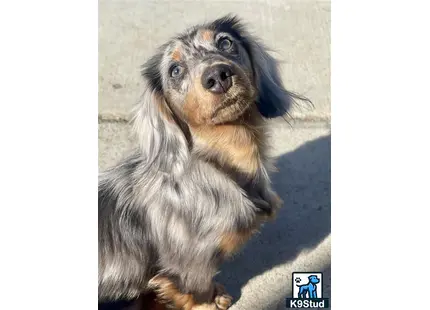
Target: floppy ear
{"x":162,"y":140}
{"x":273,"y":99}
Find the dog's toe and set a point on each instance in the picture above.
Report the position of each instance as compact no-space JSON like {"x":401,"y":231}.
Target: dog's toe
{"x":223,"y":302}
{"x":222,"y":299}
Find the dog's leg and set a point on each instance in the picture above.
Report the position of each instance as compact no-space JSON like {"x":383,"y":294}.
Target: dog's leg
{"x":264,"y":198}
{"x":273,"y":200}
{"x":304,"y":292}
{"x":301,"y":292}
{"x":313,"y":292}
{"x":168,"y":293}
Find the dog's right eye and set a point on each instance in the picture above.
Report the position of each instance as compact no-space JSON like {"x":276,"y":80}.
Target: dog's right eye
{"x":225,"y":44}
{"x":176,"y":71}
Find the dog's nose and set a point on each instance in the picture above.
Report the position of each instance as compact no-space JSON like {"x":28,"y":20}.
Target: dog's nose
{"x":217,"y":79}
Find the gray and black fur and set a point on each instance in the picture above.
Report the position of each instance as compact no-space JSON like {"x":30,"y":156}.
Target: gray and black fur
{"x":166,"y":209}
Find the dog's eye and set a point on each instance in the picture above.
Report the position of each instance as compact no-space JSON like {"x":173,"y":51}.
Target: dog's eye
{"x":176,"y":71}
{"x":225,"y":44}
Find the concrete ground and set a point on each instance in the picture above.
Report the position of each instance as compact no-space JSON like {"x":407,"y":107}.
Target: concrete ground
{"x":299,"y":240}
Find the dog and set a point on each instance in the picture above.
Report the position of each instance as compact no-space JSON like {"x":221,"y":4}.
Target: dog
{"x":309,"y":289}
{"x":197,"y":186}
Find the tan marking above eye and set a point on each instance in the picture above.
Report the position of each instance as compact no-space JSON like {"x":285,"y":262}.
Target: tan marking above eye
{"x":176,"y":55}
{"x":207,"y":35}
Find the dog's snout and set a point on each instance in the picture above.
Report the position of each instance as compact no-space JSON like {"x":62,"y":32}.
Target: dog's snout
{"x":217,"y":79}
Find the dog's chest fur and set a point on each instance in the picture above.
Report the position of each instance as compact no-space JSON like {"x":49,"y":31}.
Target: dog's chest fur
{"x":238,"y":149}
{"x":237,"y":146}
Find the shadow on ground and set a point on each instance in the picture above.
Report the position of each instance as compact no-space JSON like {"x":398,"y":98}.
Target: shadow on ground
{"x":303,"y":182}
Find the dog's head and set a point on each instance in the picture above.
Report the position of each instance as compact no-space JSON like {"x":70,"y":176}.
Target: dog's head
{"x":213,"y":72}
{"x":210,"y":75}
{"x":206,"y":75}
{"x":313,"y":279}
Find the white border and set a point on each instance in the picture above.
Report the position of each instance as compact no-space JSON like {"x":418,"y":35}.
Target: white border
{"x":48,"y":126}
{"x":49,"y":154}
{"x":380,"y":153}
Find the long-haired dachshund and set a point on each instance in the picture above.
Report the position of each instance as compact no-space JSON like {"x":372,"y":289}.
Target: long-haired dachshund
{"x":197,"y":187}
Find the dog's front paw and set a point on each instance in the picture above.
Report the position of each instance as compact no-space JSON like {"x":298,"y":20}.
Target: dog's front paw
{"x":275,"y":203}
{"x":263,"y":207}
{"x":222,"y":299}
{"x":223,"y":302}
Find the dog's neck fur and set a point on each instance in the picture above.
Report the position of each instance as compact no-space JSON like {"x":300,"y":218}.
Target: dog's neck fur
{"x":238,"y":145}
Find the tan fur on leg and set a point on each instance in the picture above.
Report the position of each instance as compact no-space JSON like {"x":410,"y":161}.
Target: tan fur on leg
{"x":168,"y":293}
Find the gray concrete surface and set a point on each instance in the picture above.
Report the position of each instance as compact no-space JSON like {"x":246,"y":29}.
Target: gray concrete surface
{"x":299,"y":240}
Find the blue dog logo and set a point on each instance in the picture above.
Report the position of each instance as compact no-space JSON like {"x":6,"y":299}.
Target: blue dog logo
{"x":309,"y":295}
{"x":309,"y":290}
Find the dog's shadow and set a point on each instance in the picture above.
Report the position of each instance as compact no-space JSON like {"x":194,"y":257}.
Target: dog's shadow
{"x":303,"y":182}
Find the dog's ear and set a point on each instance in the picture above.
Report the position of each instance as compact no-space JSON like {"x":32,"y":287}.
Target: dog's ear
{"x":273,"y":99}
{"x":162,"y":139}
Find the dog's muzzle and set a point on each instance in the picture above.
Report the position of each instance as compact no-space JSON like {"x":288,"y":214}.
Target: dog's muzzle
{"x":217,"y":78}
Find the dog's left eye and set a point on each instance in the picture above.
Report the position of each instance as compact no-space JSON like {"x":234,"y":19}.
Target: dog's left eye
{"x":176,"y":71}
{"x":225,"y":44}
